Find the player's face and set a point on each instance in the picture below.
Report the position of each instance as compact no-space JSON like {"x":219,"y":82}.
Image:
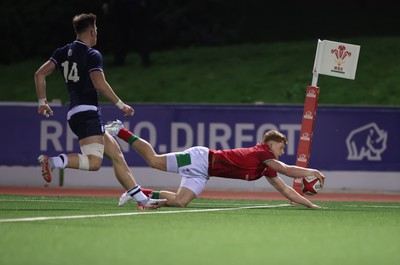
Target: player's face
{"x":93,"y":33}
{"x":277,"y":148}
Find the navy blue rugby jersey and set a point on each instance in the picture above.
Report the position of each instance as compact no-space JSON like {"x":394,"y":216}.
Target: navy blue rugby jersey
{"x":75,"y":61}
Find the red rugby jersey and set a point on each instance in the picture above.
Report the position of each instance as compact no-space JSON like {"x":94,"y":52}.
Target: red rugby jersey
{"x":241,"y":163}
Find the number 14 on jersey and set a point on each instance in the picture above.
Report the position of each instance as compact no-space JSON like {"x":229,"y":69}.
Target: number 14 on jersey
{"x":70,"y":75}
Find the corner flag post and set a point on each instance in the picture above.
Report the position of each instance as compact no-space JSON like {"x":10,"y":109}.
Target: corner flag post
{"x":306,"y":132}
{"x":334,"y":59}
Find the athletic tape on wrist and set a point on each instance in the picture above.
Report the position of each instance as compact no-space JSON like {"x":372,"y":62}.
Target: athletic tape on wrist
{"x":120,"y":104}
{"x":42,"y":101}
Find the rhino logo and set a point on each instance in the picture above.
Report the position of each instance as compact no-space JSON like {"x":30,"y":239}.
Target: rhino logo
{"x":367,"y":141}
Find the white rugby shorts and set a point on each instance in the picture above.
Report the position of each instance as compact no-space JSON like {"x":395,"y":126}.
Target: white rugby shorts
{"x":192,"y":166}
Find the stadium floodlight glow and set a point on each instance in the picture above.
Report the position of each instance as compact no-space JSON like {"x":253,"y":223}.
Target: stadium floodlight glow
{"x":334,"y":59}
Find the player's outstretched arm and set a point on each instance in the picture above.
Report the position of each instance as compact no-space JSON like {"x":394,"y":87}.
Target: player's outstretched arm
{"x":295,"y":171}
{"x":290,"y":193}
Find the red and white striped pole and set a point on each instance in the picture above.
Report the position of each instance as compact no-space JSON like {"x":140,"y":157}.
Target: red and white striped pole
{"x":306,"y":132}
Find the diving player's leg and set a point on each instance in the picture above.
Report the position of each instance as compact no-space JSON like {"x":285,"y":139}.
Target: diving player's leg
{"x":141,"y":146}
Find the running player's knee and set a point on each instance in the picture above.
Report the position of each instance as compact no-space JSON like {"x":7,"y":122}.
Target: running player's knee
{"x":83,"y":162}
{"x":113,"y":150}
{"x":91,"y":157}
{"x":116,"y":157}
{"x":91,"y":163}
{"x":95,"y":163}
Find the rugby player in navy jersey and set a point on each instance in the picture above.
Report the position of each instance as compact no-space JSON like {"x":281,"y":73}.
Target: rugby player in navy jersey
{"x":197,"y":164}
{"x":82,"y":69}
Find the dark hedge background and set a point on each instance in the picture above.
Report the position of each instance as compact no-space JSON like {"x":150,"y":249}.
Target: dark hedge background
{"x":35,"y":28}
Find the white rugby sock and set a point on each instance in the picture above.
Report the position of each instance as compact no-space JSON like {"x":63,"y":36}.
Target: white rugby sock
{"x":137,"y":194}
{"x":60,"y":161}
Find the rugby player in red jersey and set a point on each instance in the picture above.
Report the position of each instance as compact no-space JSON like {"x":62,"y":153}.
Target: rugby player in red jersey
{"x":197,"y":164}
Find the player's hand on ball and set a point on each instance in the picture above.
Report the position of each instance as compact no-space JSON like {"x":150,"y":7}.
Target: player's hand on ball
{"x":321,"y":178}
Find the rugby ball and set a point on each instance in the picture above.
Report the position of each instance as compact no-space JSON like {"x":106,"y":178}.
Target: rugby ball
{"x":310,"y":185}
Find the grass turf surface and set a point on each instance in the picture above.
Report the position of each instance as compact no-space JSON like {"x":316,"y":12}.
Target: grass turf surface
{"x":207,"y":232}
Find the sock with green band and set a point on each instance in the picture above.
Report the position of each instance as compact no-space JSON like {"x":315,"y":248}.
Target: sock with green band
{"x":127,"y":136}
{"x":132,"y":139}
{"x":147,"y":192}
{"x":155,"y":194}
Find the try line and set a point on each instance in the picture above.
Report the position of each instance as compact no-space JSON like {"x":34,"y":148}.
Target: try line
{"x":45,"y":218}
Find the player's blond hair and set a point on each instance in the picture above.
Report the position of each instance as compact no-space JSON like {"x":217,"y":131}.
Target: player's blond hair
{"x":274,"y":135}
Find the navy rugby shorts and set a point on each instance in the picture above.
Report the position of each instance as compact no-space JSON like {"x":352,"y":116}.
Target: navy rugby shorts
{"x":86,"y":123}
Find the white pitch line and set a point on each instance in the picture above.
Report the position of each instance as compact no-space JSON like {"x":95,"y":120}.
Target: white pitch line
{"x":106,"y":202}
{"x":45,"y":218}
{"x":58,"y":201}
{"x":374,"y":206}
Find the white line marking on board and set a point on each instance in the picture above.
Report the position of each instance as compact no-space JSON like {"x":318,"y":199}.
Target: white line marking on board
{"x":45,"y":218}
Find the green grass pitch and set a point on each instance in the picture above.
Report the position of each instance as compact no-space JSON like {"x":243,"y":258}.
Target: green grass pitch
{"x":82,"y":230}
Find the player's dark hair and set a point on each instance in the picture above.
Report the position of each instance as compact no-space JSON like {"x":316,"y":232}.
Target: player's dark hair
{"x":274,"y":136}
{"x":83,"y":21}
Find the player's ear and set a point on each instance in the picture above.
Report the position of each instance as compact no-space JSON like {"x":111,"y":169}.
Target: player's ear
{"x":93,"y":32}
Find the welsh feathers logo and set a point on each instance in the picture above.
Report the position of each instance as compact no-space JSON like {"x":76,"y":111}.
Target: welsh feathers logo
{"x":336,"y":59}
{"x":340,"y":56}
